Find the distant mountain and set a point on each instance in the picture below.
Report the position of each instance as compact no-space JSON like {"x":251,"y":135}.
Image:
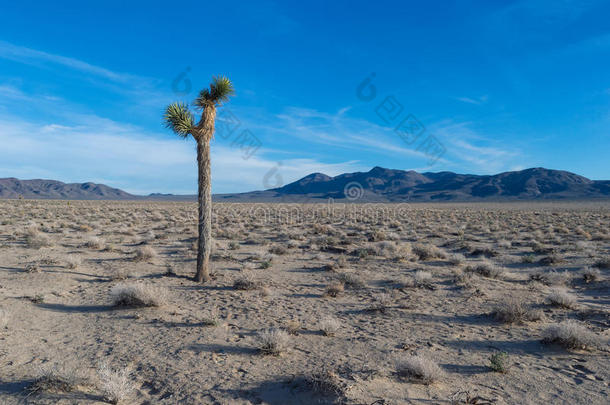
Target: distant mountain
{"x":387,"y":185}
{"x":376,"y":185}
{"x":51,"y":189}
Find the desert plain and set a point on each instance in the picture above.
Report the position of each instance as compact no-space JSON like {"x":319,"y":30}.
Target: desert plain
{"x":480,"y":303}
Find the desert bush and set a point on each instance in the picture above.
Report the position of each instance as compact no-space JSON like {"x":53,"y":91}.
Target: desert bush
{"x":499,"y":362}
{"x":590,"y":274}
{"x":381,"y":303}
{"x":329,"y":326}
{"x":325,"y":382}
{"x":145,"y":253}
{"x":138,"y":295}
{"x":515,"y":310}
{"x":115,"y":384}
{"x":56,"y":379}
{"x":423,"y":279}
{"x":457,"y":259}
{"x":94,"y":242}
{"x":334,"y":289}
{"x":486,"y":269}
{"x":560,"y":297}
{"x":293,"y":326}
{"x":273,"y":341}
{"x":428,"y":251}
{"x":552,"y":277}
{"x":245,"y":282}
{"x":278,"y":250}
{"x":37,"y":241}
{"x":419,"y":369}
{"x":351,"y":280}
{"x":73,"y":261}
{"x":571,"y":335}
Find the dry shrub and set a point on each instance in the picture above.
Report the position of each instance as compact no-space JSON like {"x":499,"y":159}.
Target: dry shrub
{"x":145,"y":253}
{"x":590,"y":275}
{"x":273,"y":341}
{"x":457,"y":259}
{"x":95,"y":242}
{"x":246,"y":282}
{"x":428,"y":251}
{"x":515,"y":310}
{"x":72,"y":261}
{"x":351,"y":280}
{"x":325,"y":382}
{"x":571,"y":335}
{"x":553,"y":277}
{"x":57,"y":379}
{"x":329,"y":326}
{"x":37,"y":241}
{"x":560,"y":297}
{"x":138,"y":295}
{"x":486,"y":269}
{"x":419,"y":369}
{"x":334,"y":289}
{"x":115,"y":384}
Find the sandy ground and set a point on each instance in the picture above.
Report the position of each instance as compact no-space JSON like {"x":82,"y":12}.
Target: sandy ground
{"x":408,"y":289}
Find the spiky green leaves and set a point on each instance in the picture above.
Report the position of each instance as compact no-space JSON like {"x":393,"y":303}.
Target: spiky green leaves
{"x":179,"y":119}
{"x":220,"y":90}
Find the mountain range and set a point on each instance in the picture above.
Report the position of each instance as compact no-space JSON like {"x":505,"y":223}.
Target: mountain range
{"x":377,"y":185}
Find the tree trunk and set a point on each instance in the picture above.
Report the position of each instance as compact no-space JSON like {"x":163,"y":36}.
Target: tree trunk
{"x":205,"y":133}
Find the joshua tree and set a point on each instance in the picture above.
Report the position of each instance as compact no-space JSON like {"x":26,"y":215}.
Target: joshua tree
{"x":180,"y":120}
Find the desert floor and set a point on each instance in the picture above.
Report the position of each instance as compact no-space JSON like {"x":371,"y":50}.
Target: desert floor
{"x":350,"y":293}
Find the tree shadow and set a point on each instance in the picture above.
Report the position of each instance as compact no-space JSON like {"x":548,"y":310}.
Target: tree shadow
{"x":218,"y":348}
{"x":79,"y":308}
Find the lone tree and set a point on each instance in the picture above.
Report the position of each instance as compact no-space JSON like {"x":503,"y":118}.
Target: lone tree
{"x":180,"y":120}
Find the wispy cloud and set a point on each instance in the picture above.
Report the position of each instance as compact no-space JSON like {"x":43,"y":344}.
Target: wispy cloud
{"x":478,"y":100}
{"x":35,"y":57}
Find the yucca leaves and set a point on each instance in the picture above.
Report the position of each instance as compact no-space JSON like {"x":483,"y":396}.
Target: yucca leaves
{"x":179,"y":119}
{"x":220,"y":90}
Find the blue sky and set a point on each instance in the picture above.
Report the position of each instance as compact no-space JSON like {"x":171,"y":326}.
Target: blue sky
{"x":496,"y":86}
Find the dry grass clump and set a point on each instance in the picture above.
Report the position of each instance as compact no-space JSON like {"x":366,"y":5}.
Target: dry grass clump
{"x":515,"y":310}
{"x":273,"y":341}
{"x":95,"y":242}
{"x":351,"y":280}
{"x":57,"y":379}
{"x":329,"y":326}
{"x":278,"y":250}
{"x":334,"y":289}
{"x":423,"y":279}
{"x":457,"y":259}
{"x":246,"y":282}
{"x":138,"y":295}
{"x":553,"y":277}
{"x":419,"y":369}
{"x":486,"y":269}
{"x":571,"y":335}
{"x":428,"y":251}
{"x":72,"y":261}
{"x":37,"y":240}
{"x":145,"y":254}
{"x":114,"y":383}
{"x":560,"y":297}
{"x":325,"y":382}
{"x":590,"y":275}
